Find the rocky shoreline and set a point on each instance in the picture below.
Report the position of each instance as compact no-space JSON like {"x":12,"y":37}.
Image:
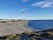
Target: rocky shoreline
{"x":34,"y":35}
{"x":18,"y":30}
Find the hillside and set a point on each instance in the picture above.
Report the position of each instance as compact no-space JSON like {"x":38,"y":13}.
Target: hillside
{"x":13,"y":26}
{"x":34,"y":35}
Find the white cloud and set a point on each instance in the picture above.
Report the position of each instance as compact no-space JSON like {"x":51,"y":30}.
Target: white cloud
{"x":24,"y":0}
{"x":23,"y":9}
{"x":24,"y":14}
{"x":38,"y":3}
{"x":44,"y":4}
{"x":47,"y":4}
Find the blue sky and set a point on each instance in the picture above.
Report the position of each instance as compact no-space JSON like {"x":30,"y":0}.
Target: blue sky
{"x":26,"y":9}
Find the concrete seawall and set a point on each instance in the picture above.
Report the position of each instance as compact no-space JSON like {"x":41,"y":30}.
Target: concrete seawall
{"x":14,"y":27}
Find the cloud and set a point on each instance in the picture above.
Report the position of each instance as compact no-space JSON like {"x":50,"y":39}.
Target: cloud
{"x":24,"y":14}
{"x":43,"y":4}
{"x":24,"y":0}
{"x":23,"y":9}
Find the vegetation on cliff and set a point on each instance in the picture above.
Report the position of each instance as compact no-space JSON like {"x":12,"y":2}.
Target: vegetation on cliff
{"x":35,"y":35}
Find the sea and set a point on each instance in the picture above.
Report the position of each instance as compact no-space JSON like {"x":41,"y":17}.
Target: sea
{"x":40,"y":24}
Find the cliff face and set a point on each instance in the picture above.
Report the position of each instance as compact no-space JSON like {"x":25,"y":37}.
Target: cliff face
{"x":18,"y":26}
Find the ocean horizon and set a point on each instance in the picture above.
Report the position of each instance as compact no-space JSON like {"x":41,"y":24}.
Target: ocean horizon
{"x":40,"y":24}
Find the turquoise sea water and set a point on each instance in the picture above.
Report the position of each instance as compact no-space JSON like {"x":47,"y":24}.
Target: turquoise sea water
{"x":40,"y":24}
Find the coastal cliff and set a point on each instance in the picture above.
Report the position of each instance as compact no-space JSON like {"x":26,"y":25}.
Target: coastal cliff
{"x":13,"y":26}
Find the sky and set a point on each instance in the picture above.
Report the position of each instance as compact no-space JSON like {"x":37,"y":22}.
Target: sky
{"x":26,"y":9}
